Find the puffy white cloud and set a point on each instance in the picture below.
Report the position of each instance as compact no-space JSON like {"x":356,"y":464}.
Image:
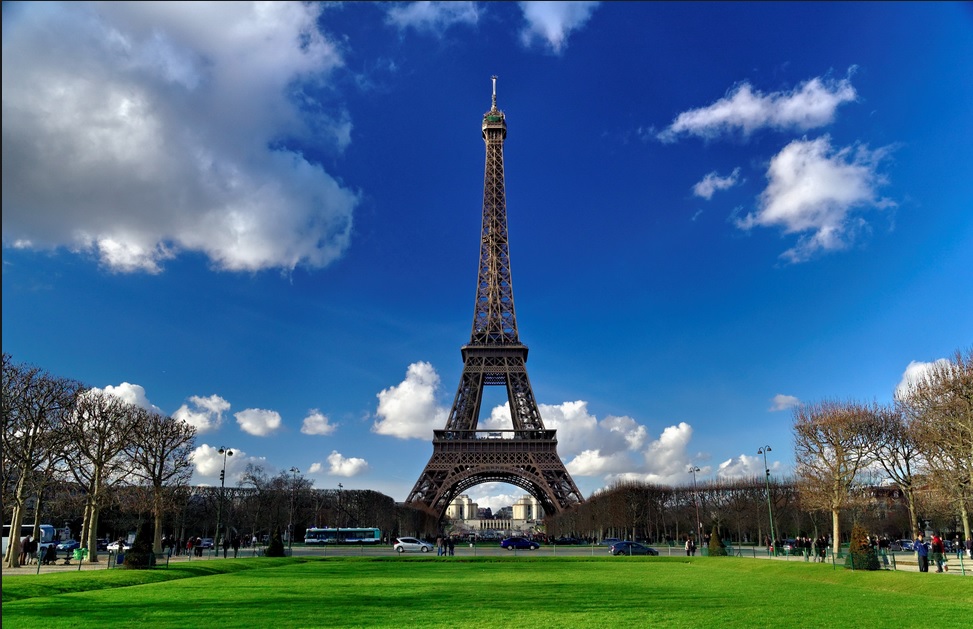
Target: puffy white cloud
{"x":257,"y":421}
{"x":553,"y":22}
{"x":316,"y":423}
{"x":812,"y":190}
{"x":431,"y":17}
{"x":915,"y":372}
{"x":781,"y":402}
{"x":747,"y":466}
{"x":409,"y":409}
{"x":135,"y":131}
{"x":810,"y":105}
{"x":713,"y":182}
{"x":130,"y":393}
{"x":340,"y":465}
{"x":205,"y":413}
{"x":315,"y":468}
{"x":208,"y":462}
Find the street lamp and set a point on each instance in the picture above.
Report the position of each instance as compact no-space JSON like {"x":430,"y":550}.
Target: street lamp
{"x":692,"y":470}
{"x":290,"y":527}
{"x":770,"y":510}
{"x":219,"y":509}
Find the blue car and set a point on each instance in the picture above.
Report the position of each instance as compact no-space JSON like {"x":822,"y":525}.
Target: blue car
{"x":70,"y":544}
{"x":631,"y":548}
{"x":519,"y":543}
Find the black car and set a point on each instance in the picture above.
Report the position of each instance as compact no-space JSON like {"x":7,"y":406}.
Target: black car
{"x":631,"y":548}
{"x":519,"y":543}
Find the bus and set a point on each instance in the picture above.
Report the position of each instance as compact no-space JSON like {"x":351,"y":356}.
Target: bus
{"x":315,"y":536}
{"x":46,"y":538}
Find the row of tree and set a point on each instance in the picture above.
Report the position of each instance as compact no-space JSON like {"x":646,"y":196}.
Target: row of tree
{"x":893,"y":467}
{"x":57,"y":432}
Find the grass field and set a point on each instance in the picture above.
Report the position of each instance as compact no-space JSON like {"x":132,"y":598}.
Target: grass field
{"x":522,"y":592}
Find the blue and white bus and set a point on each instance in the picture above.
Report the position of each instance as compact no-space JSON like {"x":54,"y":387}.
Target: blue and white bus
{"x":315,"y":536}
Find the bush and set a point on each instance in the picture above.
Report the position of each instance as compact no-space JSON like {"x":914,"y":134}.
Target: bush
{"x":861,"y":555}
{"x":276,"y":546}
{"x":141,"y":555}
{"x":716,"y":546}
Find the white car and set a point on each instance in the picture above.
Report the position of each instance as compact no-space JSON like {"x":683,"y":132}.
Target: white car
{"x":113,"y":547}
{"x":403,"y":544}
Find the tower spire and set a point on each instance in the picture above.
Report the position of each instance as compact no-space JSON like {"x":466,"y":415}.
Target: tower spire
{"x":494,"y":107}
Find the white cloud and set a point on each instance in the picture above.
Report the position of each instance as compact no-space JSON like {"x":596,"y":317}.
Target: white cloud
{"x":315,"y":468}
{"x":746,"y":466}
{"x":208,"y":462}
{"x":205,"y":413}
{"x":781,"y":402}
{"x":409,"y":409}
{"x":431,"y":17}
{"x":810,"y":105}
{"x":552,"y":22}
{"x":131,"y":394}
{"x":812,"y":190}
{"x":316,"y":423}
{"x":136,"y":131}
{"x":713,"y":182}
{"x":258,"y":422}
{"x":342,"y":466}
{"x":915,"y":372}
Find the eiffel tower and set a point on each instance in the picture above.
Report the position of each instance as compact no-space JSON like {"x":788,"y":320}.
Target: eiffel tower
{"x":462,"y":455}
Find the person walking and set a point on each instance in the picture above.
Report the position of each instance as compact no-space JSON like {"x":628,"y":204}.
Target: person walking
{"x":451,"y":544}
{"x":236,"y":545}
{"x":938,"y":552}
{"x":922,"y":553}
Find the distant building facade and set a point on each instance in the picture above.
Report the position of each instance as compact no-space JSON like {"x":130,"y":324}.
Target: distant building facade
{"x":524,"y":517}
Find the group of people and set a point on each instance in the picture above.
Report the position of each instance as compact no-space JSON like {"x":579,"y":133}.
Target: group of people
{"x":445,"y":546}
{"x":934,"y":550}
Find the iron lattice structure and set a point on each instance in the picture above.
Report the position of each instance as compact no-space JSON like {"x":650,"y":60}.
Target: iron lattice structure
{"x":462,"y":455}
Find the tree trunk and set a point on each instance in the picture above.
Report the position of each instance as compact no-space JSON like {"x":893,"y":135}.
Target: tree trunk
{"x":12,"y":560}
{"x":836,"y":532}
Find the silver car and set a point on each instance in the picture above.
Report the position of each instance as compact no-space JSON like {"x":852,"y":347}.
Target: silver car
{"x":403,"y":544}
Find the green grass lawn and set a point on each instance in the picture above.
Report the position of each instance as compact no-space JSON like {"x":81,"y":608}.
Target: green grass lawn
{"x":603,"y":592}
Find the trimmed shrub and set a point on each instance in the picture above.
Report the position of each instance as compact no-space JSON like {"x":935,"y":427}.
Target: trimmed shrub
{"x":716,"y":546}
{"x":276,"y":546}
{"x":861,"y":555}
{"x":141,"y":556}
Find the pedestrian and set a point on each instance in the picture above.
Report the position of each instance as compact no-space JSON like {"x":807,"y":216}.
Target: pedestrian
{"x":440,"y":549}
{"x":938,"y":552}
{"x":226,"y":546}
{"x":236,"y":545}
{"x":922,"y":553}
{"x":884,"y":544}
{"x":451,"y":545}
{"x":969,"y":547}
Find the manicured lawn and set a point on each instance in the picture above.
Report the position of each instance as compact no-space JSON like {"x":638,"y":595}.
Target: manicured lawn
{"x":602,"y":592}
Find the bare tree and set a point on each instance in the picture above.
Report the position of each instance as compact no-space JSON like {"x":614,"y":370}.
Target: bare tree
{"x":100,"y":428}
{"x":899,"y":455}
{"x":833,"y":442}
{"x":160,"y":451}
{"x":939,"y":406}
{"x":35,"y":404}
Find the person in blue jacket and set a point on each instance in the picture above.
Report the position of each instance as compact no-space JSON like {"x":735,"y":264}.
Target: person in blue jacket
{"x":922,"y":552}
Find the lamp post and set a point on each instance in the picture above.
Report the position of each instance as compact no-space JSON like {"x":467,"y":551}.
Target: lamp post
{"x":692,"y":470}
{"x":290,"y":527}
{"x":219,"y":509}
{"x":337,"y":526}
{"x":770,"y":510}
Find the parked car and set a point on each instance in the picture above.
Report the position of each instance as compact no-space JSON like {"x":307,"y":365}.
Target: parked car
{"x":568,"y":541}
{"x":608,"y":541}
{"x":69,"y":544}
{"x":631,"y":548}
{"x":113,"y":547}
{"x":519,"y":543}
{"x":206,"y":542}
{"x":904,"y":544}
{"x":101,"y":544}
{"x":411,"y":544}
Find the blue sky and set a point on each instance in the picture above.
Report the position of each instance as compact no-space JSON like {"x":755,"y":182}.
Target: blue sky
{"x":264,"y":219}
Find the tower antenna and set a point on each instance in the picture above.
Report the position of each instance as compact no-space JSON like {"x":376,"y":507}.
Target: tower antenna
{"x":494,"y":91}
